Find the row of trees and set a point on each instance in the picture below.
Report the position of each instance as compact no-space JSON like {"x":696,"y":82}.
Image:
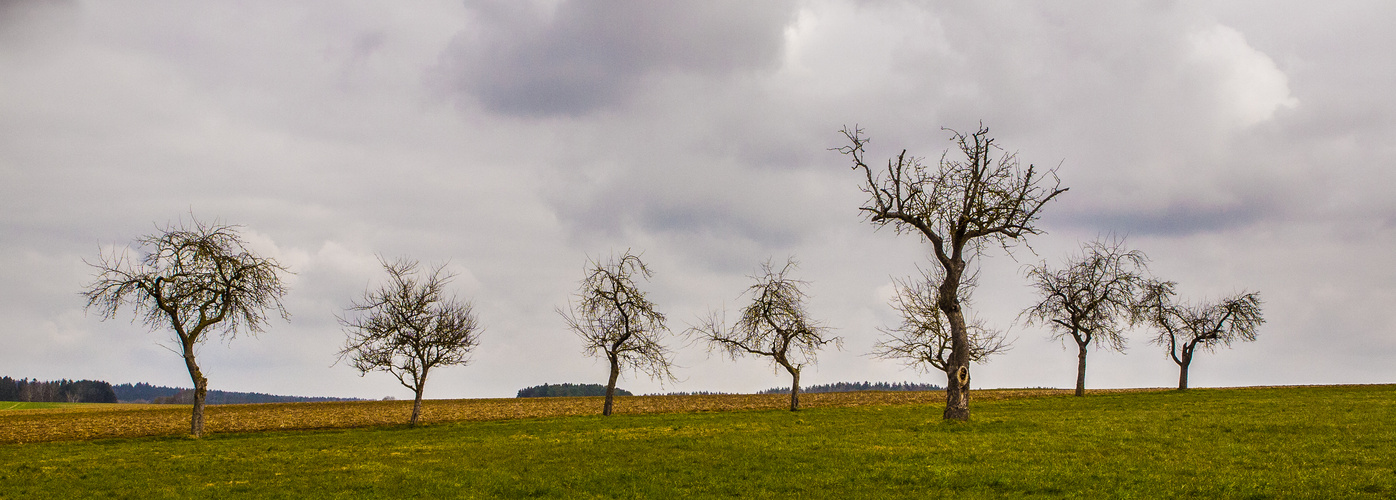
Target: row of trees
{"x":1107,"y":288}
{"x":860,"y":386}
{"x":980,"y":197}
{"x":567,"y":390}
{"x":200,"y":279}
{"x":57,"y":391}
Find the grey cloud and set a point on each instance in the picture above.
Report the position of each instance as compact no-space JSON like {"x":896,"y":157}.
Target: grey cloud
{"x":24,"y":21}
{"x":613,"y":208}
{"x":590,"y":54}
{"x":1176,"y":220}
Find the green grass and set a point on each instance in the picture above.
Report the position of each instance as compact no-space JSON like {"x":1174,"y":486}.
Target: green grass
{"x":1300,"y":442}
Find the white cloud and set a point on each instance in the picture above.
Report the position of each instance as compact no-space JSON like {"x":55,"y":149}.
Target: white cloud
{"x":1249,"y":87}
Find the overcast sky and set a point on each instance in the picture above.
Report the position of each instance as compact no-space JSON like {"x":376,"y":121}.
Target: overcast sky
{"x":1244,"y":146}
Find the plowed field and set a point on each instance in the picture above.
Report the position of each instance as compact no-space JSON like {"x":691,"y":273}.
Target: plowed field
{"x":111,"y":421}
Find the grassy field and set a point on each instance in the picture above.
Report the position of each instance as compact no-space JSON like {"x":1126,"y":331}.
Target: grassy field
{"x":1298,"y":442}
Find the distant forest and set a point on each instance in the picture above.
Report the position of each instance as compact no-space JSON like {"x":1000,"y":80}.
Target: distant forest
{"x":146,"y":393}
{"x":57,"y":391}
{"x":567,"y":390}
{"x":858,"y":386}
{"x":97,"y":391}
{"x":692,"y":393}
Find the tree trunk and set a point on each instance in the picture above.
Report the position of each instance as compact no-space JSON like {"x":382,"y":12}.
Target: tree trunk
{"x":957,"y":393}
{"x":611,"y":386}
{"x":417,"y":405}
{"x":196,"y":421}
{"x":794,"y":388}
{"x":1183,"y":364}
{"x":957,"y":368}
{"x":1081,"y":371}
{"x":419,"y":385}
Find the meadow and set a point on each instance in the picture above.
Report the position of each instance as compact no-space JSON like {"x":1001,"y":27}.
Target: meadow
{"x":1286,"y":442}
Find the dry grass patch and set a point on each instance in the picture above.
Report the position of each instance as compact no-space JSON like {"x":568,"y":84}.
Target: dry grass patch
{"x":123,"y":421}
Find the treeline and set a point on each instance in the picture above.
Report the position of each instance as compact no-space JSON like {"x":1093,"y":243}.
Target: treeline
{"x":691,"y":393}
{"x":858,"y":386}
{"x":146,"y":393}
{"x":57,"y":391}
{"x":567,"y":390}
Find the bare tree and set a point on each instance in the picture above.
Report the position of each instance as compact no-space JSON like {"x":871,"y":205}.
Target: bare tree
{"x":1185,"y":327}
{"x":1091,"y":300}
{"x":192,"y":279}
{"x":614,"y":319}
{"x":775,"y":324}
{"x":960,"y":207}
{"x":408,"y":326}
{"x":923,"y":338}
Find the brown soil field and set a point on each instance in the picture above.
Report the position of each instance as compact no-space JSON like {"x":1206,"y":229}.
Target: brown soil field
{"x":125,"y":421}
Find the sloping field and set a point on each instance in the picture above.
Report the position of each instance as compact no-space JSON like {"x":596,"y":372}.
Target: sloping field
{"x":109,"y":421}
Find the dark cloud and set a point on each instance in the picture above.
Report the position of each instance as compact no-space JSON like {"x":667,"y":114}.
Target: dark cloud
{"x":22,"y":21}
{"x":716,"y":204}
{"x":589,"y":54}
{"x":1177,"y":219}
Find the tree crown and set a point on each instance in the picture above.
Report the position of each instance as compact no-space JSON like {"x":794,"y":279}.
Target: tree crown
{"x":190,"y":277}
{"x":1208,"y":324}
{"x":775,"y":323}
{"x":615,"y":319}
{"x":923,"y":339}
{"x":974,"y":200}
{"x":1094,"y":296}
{"x":409,"y":325}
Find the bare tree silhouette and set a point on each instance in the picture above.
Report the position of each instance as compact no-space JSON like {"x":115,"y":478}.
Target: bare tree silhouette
{"x":960,"y":206}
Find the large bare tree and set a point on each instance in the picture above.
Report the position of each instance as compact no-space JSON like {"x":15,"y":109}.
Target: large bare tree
{"x":775,"y":324}
{"x":1090,"y":300}
{"x":615,"y":319}
{"x":923,"y":339}
{"x":408,"y":326}
{"x":1209,"y":324}
{"x":979,"y":197}
{"x":193,"y":278}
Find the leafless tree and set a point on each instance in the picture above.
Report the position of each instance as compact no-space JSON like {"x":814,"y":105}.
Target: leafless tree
{"x":408,"y":326}
{"x":1092,"y":299}
{"x":775,"y":324}
{"x":923,"y":338}
{"x":961,"y":206}
{"x":1185,"y":327}
{"x":614,"y":319}
{"x":193,"y":279}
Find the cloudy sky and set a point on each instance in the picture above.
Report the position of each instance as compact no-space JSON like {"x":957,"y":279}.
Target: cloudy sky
{"x":1245,"y":146}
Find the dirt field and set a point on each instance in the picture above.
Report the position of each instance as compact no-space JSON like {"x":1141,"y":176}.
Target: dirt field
{"x":110,"y":421}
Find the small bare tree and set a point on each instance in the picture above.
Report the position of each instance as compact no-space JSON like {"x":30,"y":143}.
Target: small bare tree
{"x":1185,"y":327}
{"x":408,"y":326}
{"x":193,"y":279}
{"x":614,"y":319}
{"x":775,"y":324}
{"x":1091,"y":300}
{"x":922,"y":341}
{"x":961,"y":206}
